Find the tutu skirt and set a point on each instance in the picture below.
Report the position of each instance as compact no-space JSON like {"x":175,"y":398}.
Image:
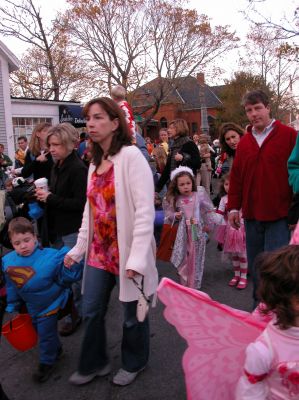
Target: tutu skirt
{"x":233,"y":240}
{"x":219,"y":234}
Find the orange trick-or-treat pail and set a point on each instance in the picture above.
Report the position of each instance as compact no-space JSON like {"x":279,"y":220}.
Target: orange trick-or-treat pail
{"x":20,"y":332}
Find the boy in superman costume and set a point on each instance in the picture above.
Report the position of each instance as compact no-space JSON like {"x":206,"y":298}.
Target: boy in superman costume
{"x":38,"y":278}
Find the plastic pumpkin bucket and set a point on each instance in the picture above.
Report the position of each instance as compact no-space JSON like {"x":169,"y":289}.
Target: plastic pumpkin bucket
{"x":20,"y":332}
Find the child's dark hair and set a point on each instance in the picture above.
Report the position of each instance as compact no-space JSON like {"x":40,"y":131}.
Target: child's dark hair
{"x":279,"y":285}
{"x":224,"y":178}
{"x":20,"y":225}
{"x":173,"y":193}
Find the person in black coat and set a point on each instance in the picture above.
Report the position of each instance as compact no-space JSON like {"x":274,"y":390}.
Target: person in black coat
{"x":65,"y":201}
{"x":183,"y":151}
{"x":38,"y":160}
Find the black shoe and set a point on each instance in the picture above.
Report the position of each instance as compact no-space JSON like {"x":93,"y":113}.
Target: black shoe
{"x":43,"y":372}
{"x":219,"y":247}
{"x":68,"y":328}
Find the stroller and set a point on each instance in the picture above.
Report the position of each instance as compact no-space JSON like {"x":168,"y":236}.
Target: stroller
{"x":14,"y":202}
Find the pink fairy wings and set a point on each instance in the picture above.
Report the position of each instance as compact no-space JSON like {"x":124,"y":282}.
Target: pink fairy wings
{"x":217,"y":336}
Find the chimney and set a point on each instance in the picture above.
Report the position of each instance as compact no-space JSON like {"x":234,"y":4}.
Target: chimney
{"x":201,"y":78}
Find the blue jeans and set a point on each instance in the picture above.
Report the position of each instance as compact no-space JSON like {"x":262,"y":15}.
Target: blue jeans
{"x":98,"y":286}
{"x":260,"y":237}
{"x":49,"y":342}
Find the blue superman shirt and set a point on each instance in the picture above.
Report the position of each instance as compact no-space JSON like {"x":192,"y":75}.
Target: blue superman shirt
{"x":40,"y":280}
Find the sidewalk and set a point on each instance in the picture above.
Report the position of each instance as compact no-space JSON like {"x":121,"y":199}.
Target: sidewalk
{"x":163,"y":379}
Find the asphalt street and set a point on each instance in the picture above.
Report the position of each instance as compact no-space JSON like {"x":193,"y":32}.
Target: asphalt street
{"x":163,"y":379}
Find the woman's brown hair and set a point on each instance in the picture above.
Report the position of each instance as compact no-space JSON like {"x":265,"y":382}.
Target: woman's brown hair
{"x":224,"y":128}
{"x":279,"y":283}
{"x":172,"y":191}
{"x":121,"y":135}
{"x":160,"y":158}
{"x":181,"y":127}
{"x":34,"y":145}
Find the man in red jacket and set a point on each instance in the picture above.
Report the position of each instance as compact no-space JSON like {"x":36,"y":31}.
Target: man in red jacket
{"x":259,"y":180}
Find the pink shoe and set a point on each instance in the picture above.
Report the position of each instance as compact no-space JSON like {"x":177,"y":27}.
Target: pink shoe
{"x":234,"y":281}
{"x":242,"y":283}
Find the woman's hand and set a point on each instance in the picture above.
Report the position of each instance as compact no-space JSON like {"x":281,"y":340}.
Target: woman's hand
{"x":131,"y":273}
{"x":178,"y":157}
{"x":42,"y":157}
{"x":68,"y":261}
{"x":41,"y":194}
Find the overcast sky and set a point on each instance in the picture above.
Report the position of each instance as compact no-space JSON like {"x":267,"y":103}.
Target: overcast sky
{"x":228,"y":12}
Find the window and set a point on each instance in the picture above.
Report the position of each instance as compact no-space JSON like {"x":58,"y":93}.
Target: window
{"x":163,"y":122}
{"x":194,"y":127}
{"x":24,"y":127}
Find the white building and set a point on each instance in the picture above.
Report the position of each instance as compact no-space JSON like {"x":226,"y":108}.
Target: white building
{"x":8,"y":64}
{"x":18,"y":116}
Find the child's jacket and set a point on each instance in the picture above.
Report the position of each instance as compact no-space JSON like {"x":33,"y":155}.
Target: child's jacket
{"x":40,"y":280}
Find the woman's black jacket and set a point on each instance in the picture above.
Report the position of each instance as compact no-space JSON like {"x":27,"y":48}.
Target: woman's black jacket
{"x":66,"y":202}
{"x":191,"y":159}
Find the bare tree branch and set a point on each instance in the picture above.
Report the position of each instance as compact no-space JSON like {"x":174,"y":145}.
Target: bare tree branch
{"x":287,"y":26}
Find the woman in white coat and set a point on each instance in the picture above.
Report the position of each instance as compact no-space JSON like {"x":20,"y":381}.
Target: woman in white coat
{"x":116,"y":238}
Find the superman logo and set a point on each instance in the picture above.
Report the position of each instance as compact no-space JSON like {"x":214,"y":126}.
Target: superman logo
{"x":20,"y":275}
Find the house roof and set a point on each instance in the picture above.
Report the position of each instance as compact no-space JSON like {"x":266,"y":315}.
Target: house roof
{"x":183,"y":90}
{"x":13,"y":62}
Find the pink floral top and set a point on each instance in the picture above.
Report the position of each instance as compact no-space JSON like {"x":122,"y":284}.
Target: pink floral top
{"x":104,"y":252}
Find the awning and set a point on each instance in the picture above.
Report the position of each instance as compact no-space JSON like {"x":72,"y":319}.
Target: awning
{"x":72,"y":114}
{"x":139,"y":119}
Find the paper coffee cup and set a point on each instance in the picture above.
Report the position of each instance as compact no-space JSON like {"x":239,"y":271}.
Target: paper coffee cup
{"x":41,"y":183}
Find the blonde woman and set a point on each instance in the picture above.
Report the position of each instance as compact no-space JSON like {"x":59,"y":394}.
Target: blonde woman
{"x":65,"y":201}
{"x":38,"y":160}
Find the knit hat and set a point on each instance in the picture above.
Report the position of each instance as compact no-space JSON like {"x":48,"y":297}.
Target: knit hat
{"x":179,"y":170}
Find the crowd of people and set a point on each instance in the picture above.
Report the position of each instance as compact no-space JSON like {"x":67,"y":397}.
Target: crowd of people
{"x":100,"y":220}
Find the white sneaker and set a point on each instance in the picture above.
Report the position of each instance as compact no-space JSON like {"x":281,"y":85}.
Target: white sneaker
{"x":123,"y":377}
{"x":79,"y":379}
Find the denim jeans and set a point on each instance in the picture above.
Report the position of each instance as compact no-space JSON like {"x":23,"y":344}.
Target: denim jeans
{"x":260,"y":237}
{"x":49,"y":342}
{"x":135,"y":340}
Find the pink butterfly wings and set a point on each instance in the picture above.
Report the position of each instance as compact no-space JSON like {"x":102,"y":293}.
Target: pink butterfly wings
{"x":217,"y":336}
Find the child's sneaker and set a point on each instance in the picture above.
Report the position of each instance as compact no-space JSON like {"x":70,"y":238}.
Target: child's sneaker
{"x":43,"y":372}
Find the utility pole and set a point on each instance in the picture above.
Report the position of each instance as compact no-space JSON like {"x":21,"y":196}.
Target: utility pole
{"x":204,"y":126}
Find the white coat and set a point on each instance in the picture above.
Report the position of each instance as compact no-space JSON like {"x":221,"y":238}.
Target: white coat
{"x":134,"y":201}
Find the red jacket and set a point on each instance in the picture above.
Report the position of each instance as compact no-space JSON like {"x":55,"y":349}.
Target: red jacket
{"x":259,"y":175}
